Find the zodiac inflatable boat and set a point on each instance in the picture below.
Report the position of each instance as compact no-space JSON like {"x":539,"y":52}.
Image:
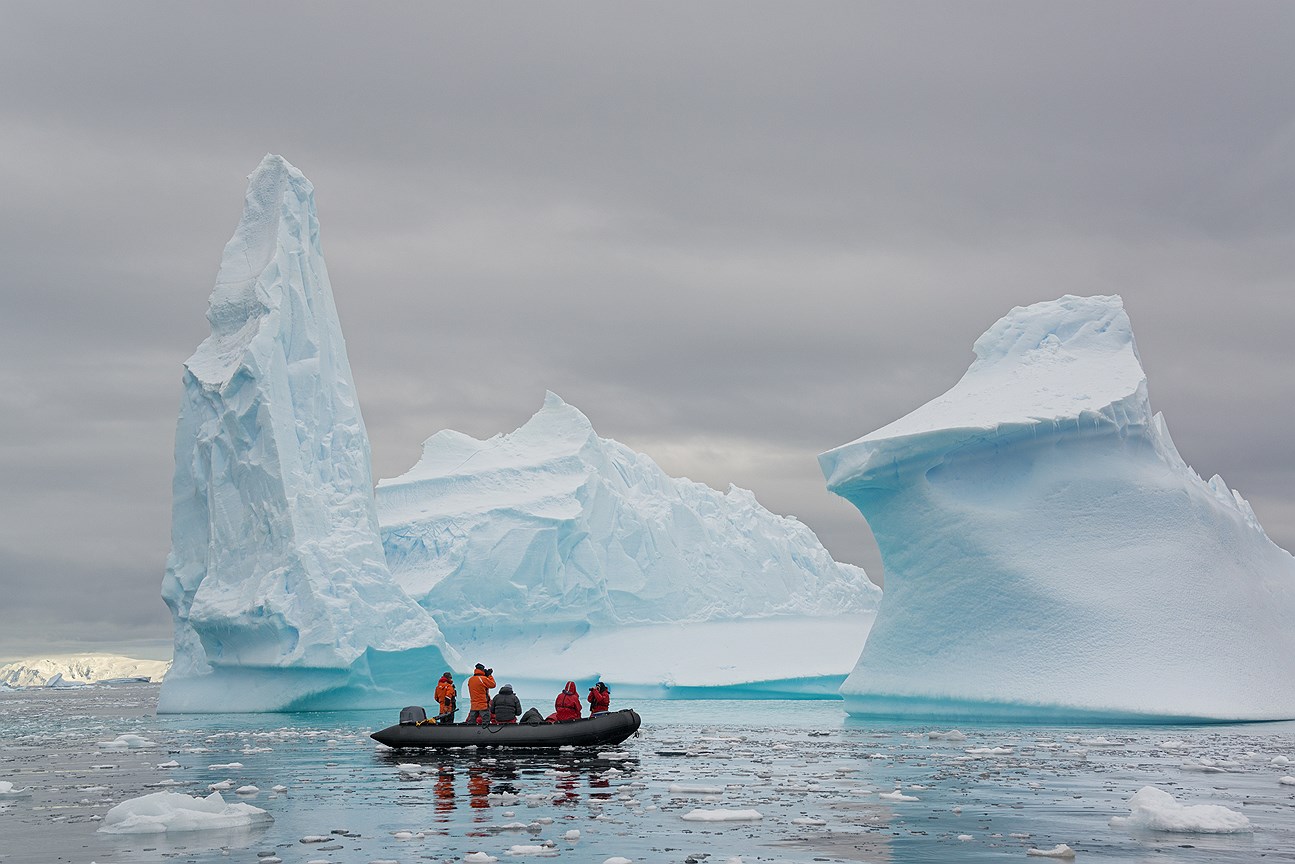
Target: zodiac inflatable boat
{"x":611,"y":727}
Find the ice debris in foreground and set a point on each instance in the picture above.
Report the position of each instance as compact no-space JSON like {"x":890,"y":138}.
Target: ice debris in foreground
{"x":173,"y":811}
{"x":551,"y":548}
{"x":1154,"y":809}
{"x":1042,"y":488}
{"x":276,"y":579}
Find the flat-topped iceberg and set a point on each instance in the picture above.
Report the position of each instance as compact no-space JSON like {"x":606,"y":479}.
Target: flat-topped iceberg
{"x":276,"y":579}
{"x":551,"y":553}
{"x":1050,"y":556}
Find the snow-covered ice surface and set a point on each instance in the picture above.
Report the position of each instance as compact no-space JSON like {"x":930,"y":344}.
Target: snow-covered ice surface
{"x":551,"y":548}
{"x":341,"y":798}
{"x":1050,"y":556}
{"x":80,"y":668}
{"x":276,"y":580}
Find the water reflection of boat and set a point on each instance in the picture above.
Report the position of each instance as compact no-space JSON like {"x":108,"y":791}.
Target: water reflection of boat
{"x":612,"y":727}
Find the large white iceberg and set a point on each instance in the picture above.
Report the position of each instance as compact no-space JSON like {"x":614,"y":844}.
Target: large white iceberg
{"x":1048,"y":553}
{"x":551,"y":553}
{"x":276,"y":579}
{"x":81,"y":668}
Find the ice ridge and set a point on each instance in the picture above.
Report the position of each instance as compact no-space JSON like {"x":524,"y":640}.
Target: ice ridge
{"x":1050,"y":555}
{"x":276,"y":579}
{"x":537,"y":546}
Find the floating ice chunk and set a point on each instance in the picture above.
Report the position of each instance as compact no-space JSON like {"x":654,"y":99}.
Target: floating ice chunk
{"x":247,"y":790}
{"x":618,"y":860}
{"x":694,"y":789}
{"x":8,"y":790}
{"x":479,"y":858}
{"x":127,"y":741}
{"x":1211,"y":766}
{"x":897,"y":795}
{"x":1061,"y":850}
{"x":989,"y":751}
{"x":1281,"y":761}
{"x":315,"y":838}
{"x":1287,"y":781}
{"x":614,"y":754}
{"x":703,"y":815}
{"x":544,"y":849}
{"x":1100,"y":741}
{"x":227,"y":766}
{"x":171,"y":811}
{"x":171,"y":764}
{"x":1154,"y":809}
{"x":1172,"y":744}
{"x":221,"y":786}
{"x":572,"y":835}
{"x":966,"y":837}
{"x":951,"y":735}
{"x":279,"y":788}
{"x":808,"y":820}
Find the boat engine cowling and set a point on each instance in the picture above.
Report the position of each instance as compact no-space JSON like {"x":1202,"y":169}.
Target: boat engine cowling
{"x":412,"y":716}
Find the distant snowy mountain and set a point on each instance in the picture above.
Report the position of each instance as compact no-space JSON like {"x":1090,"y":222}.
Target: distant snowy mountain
{"x":551,"y":553}
{"x":79,"y":669}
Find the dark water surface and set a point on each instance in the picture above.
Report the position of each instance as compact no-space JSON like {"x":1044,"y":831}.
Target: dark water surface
{"x":990,"y":797}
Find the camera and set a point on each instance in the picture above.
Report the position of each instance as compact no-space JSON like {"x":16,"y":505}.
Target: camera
{"x":490,"y":672}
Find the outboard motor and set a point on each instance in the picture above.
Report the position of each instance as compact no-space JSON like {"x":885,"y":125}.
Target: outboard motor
{"x":412,"y":716}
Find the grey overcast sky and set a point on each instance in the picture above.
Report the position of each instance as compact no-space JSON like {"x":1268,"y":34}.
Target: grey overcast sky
{"x":733,"y":234}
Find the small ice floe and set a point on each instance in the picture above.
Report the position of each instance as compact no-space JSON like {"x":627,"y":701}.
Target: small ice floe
{"x":127,"y":741}
{"x":897,"y":795}
{"x":1017,"y":835}
{"x":315,"y":838}
{"x":172,"y":811}
{"x":8,"y":790}
{"x":1280,"y":761}
{"x":616,"y":859}
{"x":407,"y":835}
{"x":951,"y":735}
{"x":614,"y":754}
{"x":279,"y":788}
{"x":808,"y":820}
{"x":1173,"y":744}
{"x":1154,"y":809}
{"x":1061,"y":850}
{"x":171,"y":764}
{"x":1211,"y":766}
{"x":546,"y":849}
{"x":221,"y":786}
{"x":989,"y":751}
{"x":703,"y":815}
{"x":479,"y":858}
{"x":228,"y":766}
{"x":1286,"y":781}
{"x":1100,"y":741}
{"x":966,"y":838}
{"x":694,"y":789}
{"x":247,"y":790}
{"x":248,"y":751}
{"x":162,"y":783}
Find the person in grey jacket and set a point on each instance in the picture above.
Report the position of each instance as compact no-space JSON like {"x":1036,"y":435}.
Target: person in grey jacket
{"x":506,"y":707}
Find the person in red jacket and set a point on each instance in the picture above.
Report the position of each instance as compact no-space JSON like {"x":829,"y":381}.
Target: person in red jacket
{"x":446,"y":700}
{"x":567,"y":704}
{"x":599,"y":699}
{"x":479,"y":691}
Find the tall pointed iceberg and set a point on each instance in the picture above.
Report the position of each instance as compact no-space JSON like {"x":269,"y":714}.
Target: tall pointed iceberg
{"x":550,"y":553}
{"x":280,"y":593}
{"x":1050,"y":556}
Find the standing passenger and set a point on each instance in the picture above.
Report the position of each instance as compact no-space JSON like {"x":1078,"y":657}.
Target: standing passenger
{"x":479,"y":691}
{"x":446,"y":699}
{"x":600,"y":698}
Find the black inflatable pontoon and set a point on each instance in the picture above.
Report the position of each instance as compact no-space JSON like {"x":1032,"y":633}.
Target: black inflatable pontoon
{"x":612,"y":727}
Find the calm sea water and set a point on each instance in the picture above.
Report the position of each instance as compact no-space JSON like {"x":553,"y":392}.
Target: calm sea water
{"x":991,"y":797}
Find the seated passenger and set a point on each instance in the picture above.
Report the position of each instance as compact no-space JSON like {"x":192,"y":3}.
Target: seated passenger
{"x":600,"y":699}
{"x":505,"y":707}
{"x":567,"y":704}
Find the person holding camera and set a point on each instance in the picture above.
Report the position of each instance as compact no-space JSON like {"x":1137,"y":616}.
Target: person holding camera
{"x":479,"y":692}
{"x":600,"y":699}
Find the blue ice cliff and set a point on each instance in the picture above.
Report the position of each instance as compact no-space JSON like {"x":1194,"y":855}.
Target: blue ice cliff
{"x":276,"y":579}
{"x":1050,"y":556}
{"x":550,"y":553}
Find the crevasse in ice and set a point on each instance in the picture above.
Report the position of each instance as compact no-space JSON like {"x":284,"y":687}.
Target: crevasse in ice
{"x":550,"y":553}
{"x":1050,"y":555}
{"x":278,"y":586}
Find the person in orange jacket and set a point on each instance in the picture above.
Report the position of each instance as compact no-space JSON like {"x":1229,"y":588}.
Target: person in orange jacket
{"x":567,"y":704}
{"x":446,"y":699}
{"x":600,"y":698}
{"x":479,"y":692}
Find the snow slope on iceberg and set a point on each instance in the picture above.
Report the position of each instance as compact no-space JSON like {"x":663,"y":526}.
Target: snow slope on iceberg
{"x":1048,"y":553}
{"x":551,"y":553}
{"x":276,"y":579}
